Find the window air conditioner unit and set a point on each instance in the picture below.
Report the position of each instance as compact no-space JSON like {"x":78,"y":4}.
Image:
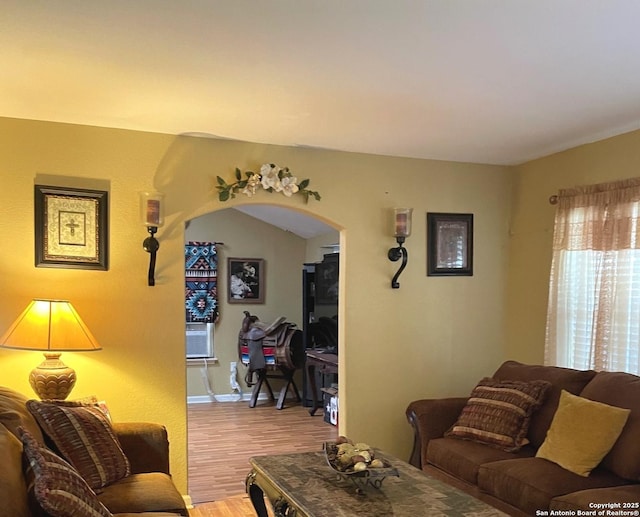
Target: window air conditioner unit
{"x":199,"y":340}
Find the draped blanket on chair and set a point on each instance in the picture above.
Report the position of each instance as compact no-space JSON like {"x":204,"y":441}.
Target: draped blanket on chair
{"x":201,"y":279}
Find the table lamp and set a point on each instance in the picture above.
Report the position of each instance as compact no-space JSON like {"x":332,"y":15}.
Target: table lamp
{"x":52,"y":326}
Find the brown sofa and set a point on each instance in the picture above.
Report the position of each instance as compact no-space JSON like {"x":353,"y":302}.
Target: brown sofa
{"x":148,"y":491}
{"x":519,"y":483}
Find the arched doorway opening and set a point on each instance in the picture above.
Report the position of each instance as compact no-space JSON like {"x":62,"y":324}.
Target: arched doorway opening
{"x":285,"y":240}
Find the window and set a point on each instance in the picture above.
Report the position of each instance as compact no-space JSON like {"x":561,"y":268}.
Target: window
{"x":593,"y":318}
{"x":199,"y":340}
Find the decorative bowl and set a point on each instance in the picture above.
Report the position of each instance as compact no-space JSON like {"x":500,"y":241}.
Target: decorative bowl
{"x":373,"y":476}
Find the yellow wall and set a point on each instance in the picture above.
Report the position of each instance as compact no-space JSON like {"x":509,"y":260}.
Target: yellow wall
{"x":432,"y":337}
{"x":140,"y":369}
{"x":318,"y":247}
{"x":532,"y":229}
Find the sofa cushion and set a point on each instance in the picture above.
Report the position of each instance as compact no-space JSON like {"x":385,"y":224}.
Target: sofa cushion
{"x":462,"y":458}
{"x":621,"y":390}
{"x":498,"y":413}
{"x":14,"y":414}
{"x":13,"y":490}
{"x":84,"y":437}
{"x":145,"y":444}
{"x":567,"y":379}
{"x":531,"y":483}
{"x":149,"y":492}
{"x":581,"y":433}
{"x":58,"y":487}
{"x":598,"y":498}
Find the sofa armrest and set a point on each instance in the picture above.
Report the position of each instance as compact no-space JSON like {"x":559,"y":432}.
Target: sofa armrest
{"x":431,"y":418}
{"x":145,"y":444}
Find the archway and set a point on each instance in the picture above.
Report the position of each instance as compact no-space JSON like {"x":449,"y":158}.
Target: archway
{"x":284,"y":253}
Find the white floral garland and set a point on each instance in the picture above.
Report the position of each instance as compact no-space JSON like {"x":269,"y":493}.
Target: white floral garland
{"x":271,"y":178}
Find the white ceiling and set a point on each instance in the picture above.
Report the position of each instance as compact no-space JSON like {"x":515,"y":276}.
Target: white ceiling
{"x":490,"y":81}
{"x":299,"y":224}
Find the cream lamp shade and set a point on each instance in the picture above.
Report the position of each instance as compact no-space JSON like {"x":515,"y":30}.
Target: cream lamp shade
{"x":51,"y":326}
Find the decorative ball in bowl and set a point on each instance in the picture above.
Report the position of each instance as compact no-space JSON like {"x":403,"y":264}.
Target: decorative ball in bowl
{"x":357,"y":460}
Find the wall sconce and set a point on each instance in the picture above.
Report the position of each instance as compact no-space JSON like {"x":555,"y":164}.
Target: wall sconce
{"x":152,"y":216}
{"x":52,"y":326}
{"x":402,"y":230}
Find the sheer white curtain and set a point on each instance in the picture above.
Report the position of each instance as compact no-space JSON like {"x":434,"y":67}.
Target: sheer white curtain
{"x":593,"y":317}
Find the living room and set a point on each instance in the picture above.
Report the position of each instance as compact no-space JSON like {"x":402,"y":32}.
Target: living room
{"x":434,"y":336}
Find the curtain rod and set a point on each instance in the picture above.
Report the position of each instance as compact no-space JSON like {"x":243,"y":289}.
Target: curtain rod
{"x":553,"y":199}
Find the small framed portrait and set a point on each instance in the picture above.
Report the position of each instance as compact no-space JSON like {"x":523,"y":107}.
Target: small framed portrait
{"x":245,"y":280}
{"x":449,"y":244}
{"x":71,"y":228}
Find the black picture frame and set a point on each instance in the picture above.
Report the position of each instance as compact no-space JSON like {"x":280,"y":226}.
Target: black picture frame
{"x":71,"y":228}
{"x":245,"y":280}
{"x":449,"y":244}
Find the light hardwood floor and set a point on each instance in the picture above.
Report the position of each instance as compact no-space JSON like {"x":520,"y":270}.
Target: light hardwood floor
{"x":224,"y":435}
{"x":237,"y":506}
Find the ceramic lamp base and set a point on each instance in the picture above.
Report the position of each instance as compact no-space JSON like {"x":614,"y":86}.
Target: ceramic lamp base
{"x":52,"y":379}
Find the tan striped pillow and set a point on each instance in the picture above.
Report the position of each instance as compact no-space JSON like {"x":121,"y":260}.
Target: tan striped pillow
{"x":498,"y":413}
{"x":58,"y":488}
{"x":84,"y":437}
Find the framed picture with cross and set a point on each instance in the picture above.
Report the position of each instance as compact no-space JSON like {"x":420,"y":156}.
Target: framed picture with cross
{"x":71,"y":228}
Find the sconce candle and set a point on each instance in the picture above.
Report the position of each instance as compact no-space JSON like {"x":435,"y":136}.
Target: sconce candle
{"x":402,"y":230}
{"x":152,"y":208}
{"x":153,"y":212}
{"x":403,"y":221}
{"x":152,"y":216}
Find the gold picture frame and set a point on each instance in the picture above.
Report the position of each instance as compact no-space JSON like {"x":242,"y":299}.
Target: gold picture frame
{"x":71,"y":228}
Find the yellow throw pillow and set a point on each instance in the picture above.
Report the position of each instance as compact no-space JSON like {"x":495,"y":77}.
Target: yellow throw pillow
{"x":582,"y":433}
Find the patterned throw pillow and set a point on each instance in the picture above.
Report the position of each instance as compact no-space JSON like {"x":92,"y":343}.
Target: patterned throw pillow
{"x":85,"y":438}
{"x":498,"y":413}
{"x":58,"y":488}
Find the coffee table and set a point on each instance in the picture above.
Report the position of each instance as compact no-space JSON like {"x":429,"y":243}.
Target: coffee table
{"x":303,"y":485}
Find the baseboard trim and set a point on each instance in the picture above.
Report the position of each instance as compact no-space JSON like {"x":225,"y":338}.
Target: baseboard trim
{"x":188,"y":502}
{"x":227,"y":397}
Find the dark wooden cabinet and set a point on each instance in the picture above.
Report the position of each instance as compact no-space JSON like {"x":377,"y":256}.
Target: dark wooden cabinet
{"x":320,"y":282}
